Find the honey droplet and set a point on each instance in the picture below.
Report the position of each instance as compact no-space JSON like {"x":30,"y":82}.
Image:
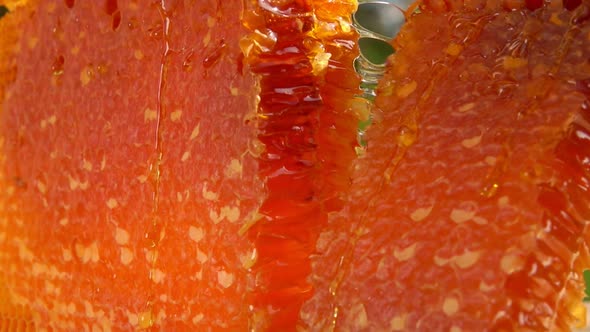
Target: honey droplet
{"x":87,"y":74}
{"x":132,"y":24}
{"x":145,"y":320}
{"x":407,"y":136}
{"x":156,"y":31}
{"x":215,"y":55}
{"x":58,"y":66}
{"x":116,"y":20}
{"x":490,"y":189}
{"x":187,"y":64}
{"x":58,"y":31}
{"x":111,"y":6}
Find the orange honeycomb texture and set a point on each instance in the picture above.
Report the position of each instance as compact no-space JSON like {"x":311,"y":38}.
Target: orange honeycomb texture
{"x":193,"y":165}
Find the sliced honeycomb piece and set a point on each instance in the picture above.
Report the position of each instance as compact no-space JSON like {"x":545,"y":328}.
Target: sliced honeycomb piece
{"x":469,"y":209}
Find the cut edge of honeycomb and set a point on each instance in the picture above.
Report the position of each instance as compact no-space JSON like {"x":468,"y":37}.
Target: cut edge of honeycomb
{"x":13,"y":317}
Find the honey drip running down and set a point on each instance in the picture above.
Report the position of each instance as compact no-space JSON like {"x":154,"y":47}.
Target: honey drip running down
{"x":301,"y":52}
